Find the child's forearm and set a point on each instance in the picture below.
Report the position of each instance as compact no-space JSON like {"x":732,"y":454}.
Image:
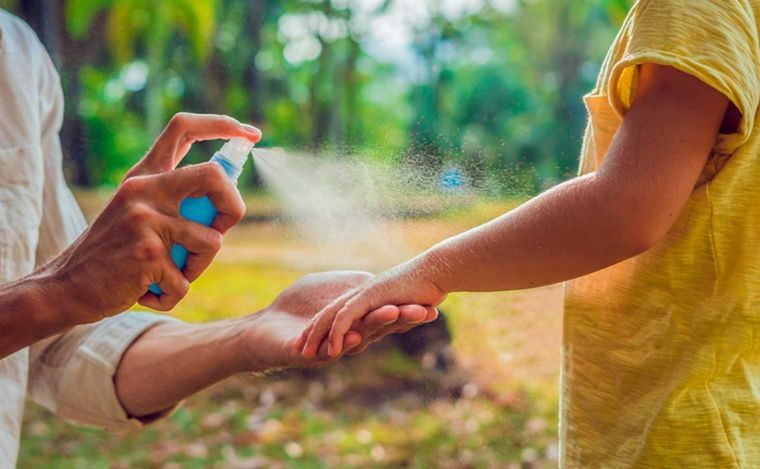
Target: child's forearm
{"x":576,"y":228}
{"x":572,"y":230}
{"x":597,"y":220}
{"x":649,"y":172}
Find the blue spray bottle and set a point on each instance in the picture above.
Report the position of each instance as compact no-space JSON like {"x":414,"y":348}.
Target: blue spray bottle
{"x":231,"y":158}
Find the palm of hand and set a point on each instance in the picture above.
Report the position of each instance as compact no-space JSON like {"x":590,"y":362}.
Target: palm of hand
{"x":398,"y":286}
{"x":274,"y":331}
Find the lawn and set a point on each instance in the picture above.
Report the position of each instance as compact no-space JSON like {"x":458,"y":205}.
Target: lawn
{"x":493,"y":404}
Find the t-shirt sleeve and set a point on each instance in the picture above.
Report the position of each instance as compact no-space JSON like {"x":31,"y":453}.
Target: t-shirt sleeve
{"x":714,"y":41}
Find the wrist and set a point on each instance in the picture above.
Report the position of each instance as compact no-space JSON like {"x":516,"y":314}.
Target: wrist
{"x":29,"y":312}
{"x":50,"y":301}
{"x":248,"y":342}
{"x":431,"y":268}
{"x":61,"y":296}
{"x":261,"y":354}
{"x":229,"y":351}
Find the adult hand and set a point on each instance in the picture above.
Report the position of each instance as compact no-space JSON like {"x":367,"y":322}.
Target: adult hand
{"x":403,"y":285}
{"x":126,"y":249}
{"x":269,"y":337}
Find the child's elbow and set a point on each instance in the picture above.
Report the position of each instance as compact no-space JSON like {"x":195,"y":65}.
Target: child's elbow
{"x":641,"y":243}
{"x":637,"y":237}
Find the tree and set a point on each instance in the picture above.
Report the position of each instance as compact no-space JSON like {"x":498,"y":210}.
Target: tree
{"x":47,"y":19}
{"x":146,"y":25}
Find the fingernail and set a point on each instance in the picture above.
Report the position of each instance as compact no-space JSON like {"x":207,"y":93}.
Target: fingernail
{"x":330,"y":350}
{"x":251,"y":129}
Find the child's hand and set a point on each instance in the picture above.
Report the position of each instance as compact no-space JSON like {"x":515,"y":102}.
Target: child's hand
{"x":400,"y":286}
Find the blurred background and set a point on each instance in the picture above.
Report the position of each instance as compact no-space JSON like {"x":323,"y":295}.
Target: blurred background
{"x":485,"y":90}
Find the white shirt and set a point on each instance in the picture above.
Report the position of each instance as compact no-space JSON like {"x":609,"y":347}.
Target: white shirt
{"x":70,"y":374}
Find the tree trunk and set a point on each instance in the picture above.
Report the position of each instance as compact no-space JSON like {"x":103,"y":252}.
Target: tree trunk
{"x":349,"y":131}
{"x":158,"y":35}
{"x":569,"y":58}
{"x":46,"y":18}
{"x":321,"y":99}
{"x":257,"y":12}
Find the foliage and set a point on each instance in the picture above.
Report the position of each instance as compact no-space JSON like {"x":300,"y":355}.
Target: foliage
{"x":491,"y":86}
{"x":298,"y":421}
{"x":495,"y":407}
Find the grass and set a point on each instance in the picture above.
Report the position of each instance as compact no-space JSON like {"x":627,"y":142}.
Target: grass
{"x":496,"y":407}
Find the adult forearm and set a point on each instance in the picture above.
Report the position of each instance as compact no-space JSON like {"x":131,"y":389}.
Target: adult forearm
{"x":171,"y":361}
{"x":31,"y":309}
{"x":569,"y":231}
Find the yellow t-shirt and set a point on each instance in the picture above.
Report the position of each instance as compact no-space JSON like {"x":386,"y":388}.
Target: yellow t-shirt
{"x":661,"y":353}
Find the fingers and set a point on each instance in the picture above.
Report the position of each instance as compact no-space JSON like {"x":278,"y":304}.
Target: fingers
{"x":186,"y":128}
{"x":318,"y":331}
{"x":365,"y":327}
{"x":374,"y":325}
{"x":203,"y":179}
{"x":409,"y":316}
{"x":361,"y":348}
{"x":431,"y":314}
{"x":320,"y":325}
{"x":377,"y":319}
{"x":352,"y":310}
{"x":353,"y":339}
{"x":301,"y":341}
{"x":412,"y":314}
{"x":230,"y":216}
{"x":174,"y":286}
{"x":201,"y":242}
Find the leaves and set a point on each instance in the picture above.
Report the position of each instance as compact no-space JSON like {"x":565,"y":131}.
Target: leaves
{"x":493,"y":88}
{"x":130,"y":20}
{"x":617,"y":9}
{"x":126,"y":19}
{"x":79,"y":15}
{"x":197,"y":19}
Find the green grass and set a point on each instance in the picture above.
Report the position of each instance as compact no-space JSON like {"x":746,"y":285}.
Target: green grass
{"x":495,"y":408}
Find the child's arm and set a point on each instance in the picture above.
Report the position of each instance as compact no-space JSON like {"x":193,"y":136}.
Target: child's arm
{"x":578,"y":227}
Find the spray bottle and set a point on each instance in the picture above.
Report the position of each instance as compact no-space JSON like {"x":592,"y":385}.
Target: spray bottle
{"x":231,"y":158}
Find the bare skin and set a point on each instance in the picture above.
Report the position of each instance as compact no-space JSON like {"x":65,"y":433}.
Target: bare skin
{"x":579,"y":227}
{"x":172,"y":361}
{"x":126,"y":249}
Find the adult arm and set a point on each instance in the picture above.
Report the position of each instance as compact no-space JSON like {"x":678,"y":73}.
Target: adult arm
{"x":578,"y":227}
{"x":110,"y":266}
{"x":173,"y":360}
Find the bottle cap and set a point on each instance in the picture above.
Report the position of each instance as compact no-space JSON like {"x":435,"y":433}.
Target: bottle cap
{"x":236,"y":151}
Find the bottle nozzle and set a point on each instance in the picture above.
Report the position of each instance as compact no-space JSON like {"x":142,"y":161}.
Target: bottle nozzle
{"x":236,"y":151}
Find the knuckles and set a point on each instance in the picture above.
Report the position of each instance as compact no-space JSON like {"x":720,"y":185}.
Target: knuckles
{"x":129,"y":189}
{"x":214,"y":241}
{"x":213,"y":174}
{"x":237,"y":210}
{"x":149,"y":251}
{"x":178,"y":121}
{"x":180,"y":289}
{"x":181,"y":123}
{"x":216,"y":179}
{"x":139,"y":214}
